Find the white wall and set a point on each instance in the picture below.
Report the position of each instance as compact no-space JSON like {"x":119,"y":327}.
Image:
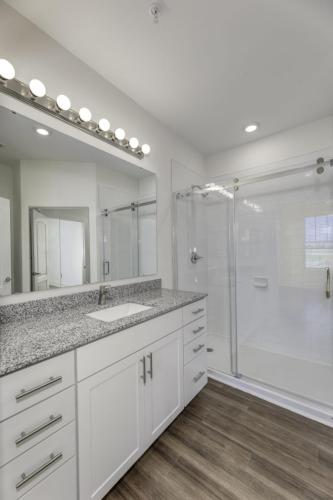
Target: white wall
{"x":297,"y":145}
{"x":34,"y":54}
{"x":54,"y":184}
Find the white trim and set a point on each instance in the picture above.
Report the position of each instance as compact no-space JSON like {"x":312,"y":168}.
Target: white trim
{"x":317,"y":412}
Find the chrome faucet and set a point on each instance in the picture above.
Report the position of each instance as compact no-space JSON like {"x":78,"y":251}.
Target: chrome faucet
{"x":103,"y":290}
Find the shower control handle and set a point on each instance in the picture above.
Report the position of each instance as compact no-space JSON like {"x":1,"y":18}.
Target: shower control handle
{"x":195,"y":257}
{"x":328,"y":282}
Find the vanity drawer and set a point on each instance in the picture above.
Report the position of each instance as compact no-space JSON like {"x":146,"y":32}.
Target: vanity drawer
{"x":59,"y":485}
{"x":29,"y":386}
{"x":195,"y":377}
{"x":27,"y":470}
{"x":194,"y":311}
{"x":194,"y":330}
{"x":194,"y":348}
{"x":36,"y":424}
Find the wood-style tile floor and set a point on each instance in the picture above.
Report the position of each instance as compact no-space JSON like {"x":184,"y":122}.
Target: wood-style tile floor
{"x":230,"y":445}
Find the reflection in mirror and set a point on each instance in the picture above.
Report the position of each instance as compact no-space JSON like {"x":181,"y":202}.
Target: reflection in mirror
{"x":70,"y":214}
{"x":59,"y":239}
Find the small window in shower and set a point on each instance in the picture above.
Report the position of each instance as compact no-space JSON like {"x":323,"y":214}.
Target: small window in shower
{"x":319,"y":241}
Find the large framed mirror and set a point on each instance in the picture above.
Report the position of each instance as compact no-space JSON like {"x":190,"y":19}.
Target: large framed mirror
{"x":70,"y":214}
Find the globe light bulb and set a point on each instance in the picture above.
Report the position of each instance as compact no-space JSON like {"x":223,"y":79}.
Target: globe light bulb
{"x":63,"y":102}
{"x":85,"y":114}
{"x":133,"y":142}
{"x":104,"y":125}
{"x":145,"y":149}
{"x":120,"y":134}
{"x":37,"y":88}
{"x":7,"y":70}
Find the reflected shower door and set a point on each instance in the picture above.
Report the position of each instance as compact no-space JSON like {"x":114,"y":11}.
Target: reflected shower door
{"x":123,"y":243}
{"x":284,"y":259}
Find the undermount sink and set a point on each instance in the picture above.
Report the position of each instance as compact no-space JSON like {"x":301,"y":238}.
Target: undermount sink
{"x":117,"y":312}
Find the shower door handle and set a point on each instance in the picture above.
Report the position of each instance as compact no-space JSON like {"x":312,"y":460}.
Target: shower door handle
{"x":328,"y":282}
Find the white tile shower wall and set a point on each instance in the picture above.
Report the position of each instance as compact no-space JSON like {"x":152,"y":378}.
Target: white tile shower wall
{"x":31,"y":51}
{"x":203,"y":223}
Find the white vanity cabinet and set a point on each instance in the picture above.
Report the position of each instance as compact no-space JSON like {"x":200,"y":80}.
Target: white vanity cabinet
{"x":164,"y":385}
{"x":110,"y":415}
{"x":123,"y":408}
{"x":38,"y":432}
{"x":195,"y":350}
{"x":97,"y":409}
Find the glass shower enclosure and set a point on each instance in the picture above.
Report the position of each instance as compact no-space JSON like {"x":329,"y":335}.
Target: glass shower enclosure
{"x":267,"y":254}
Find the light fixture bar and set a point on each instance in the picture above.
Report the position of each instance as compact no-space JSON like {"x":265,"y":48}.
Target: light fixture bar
{"x":19,"y":90}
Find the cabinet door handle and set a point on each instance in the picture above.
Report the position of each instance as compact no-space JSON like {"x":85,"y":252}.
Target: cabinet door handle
{"x":25,"y":436}
{"x":25,"y":393}
{"x":197,"y":330}
{"x":198,"y":377}
{"x":198,"y":311}
{"x":198,"y":348}
{"x":29,"y":477}
{"x":144,"y":373}
{"x":328,"y":283}
{"x":150,"y":371}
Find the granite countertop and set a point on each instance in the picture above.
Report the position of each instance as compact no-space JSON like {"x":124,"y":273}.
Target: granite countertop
{"x":26,"y":342}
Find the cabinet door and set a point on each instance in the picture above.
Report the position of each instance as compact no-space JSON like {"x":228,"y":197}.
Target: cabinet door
{"x":164,"y":389}
{"x":110,"y":423}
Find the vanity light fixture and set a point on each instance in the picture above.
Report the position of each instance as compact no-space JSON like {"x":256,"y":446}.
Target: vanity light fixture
{"x":37,"y":88}
{"x":7,"y":70}
{"x":133,"y":142}
{"x":63,"y":102}
{"x":146,"y":149}
{"x":120,"y":134}
{"x":34,"y":94}
{"x":85,"y":115}
{"x":42,"y":131}
{"x":252,"y":127}
{"x":104,"y":125}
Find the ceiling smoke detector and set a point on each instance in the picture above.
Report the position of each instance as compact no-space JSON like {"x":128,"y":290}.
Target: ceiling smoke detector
{"x":155,"y":12}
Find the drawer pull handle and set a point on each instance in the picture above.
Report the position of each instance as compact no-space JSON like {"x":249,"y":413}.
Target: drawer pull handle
{"x":25,"y":436}
{"x":198,"y":311}
{"x":25,"y":393}
{"x":29,"y":477}
{"x":197,"y":349}
{"x":198,"y":377}
{"x":199,"y":329}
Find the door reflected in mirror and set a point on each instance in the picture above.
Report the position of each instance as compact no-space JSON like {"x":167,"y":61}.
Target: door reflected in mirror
{"x":70,"y":214}
{"x":60,"y":253}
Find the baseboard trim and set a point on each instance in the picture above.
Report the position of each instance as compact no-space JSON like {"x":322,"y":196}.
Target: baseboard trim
{"x":319,"y":413}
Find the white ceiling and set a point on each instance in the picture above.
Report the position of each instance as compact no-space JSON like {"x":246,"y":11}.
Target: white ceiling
{"x":209,"y":67}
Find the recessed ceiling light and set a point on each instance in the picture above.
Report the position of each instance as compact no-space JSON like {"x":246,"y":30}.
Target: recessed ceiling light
{"x":252,"y":127}
{"x":42,"y":131}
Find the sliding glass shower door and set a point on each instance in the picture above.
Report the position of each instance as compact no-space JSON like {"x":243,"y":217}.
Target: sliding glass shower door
{"x":284,"y":262}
